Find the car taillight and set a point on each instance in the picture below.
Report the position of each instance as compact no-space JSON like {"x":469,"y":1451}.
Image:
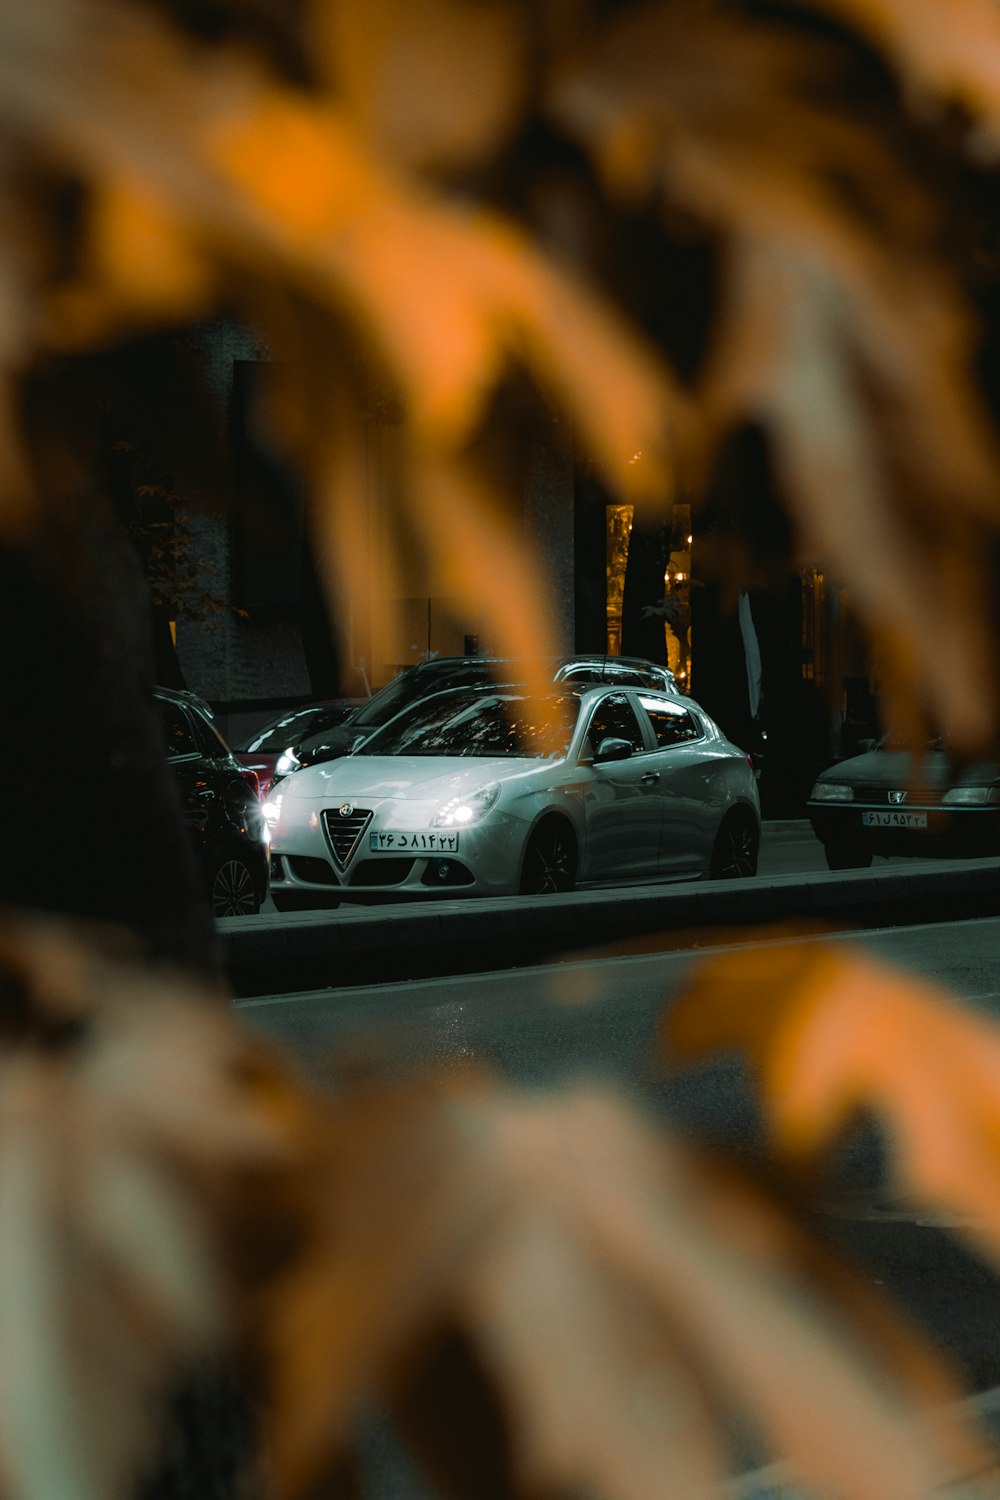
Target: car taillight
{"x":251,"y":778}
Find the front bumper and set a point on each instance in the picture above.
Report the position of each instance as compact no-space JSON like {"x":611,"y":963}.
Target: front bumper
{"x":950,"y":832}
{"x":486,"y":863}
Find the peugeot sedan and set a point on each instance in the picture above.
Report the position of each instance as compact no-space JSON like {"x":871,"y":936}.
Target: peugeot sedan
{"x":891,"y":801}
{"x":481,"y":792}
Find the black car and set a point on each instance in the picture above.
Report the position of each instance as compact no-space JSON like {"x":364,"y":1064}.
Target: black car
{"x":892,"y":801}
{"x":220,"y":804}
{"x":443,"y":672}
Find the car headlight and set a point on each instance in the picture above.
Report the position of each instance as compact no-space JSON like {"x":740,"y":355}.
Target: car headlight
{"x":272,"y":810}
{"x":287,"y":761}
{"x":831,"y":791}
{"x":970,"y":796}
{"x":461,"y":811}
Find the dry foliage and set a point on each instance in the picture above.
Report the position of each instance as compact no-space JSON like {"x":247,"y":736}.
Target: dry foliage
{"x":831,"y":1036}
{"x":620,"y":1306}
{"x":841,"y":329}
{"x":171,"y":1192}
{"x":343,"y":214}
{"x":128,"y":1106}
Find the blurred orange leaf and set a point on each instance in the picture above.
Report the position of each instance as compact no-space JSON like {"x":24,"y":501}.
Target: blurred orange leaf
{"x":841,"y":330}
{"x":831,"y":1033}
{"x":623,"y":1302}
{"x":129,"y":1110}
{"x":952,"y":51}
{"x":862,"y":479}
{"x":141,"y":265}
{"x":210,"y":182}
{"x":274,"y":182}
{"x":429,"y":82}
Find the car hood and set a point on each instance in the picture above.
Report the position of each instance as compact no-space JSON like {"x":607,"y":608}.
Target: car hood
{"x":403,"y":777}
{"x":901,"y":768}
{"x":328,"y":744}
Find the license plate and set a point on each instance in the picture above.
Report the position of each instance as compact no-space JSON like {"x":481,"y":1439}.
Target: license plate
{"x":413,"y":843}
{"x":893,"y":819}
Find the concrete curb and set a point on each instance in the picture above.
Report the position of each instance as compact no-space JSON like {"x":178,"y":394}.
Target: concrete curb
{"x":275,"y":954}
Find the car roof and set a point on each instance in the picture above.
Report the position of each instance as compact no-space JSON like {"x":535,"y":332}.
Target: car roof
{"x":182,"y":695}
{"x":581,"y":690}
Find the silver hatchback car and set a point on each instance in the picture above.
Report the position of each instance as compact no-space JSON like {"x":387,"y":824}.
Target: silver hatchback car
{"x":487,"y":791}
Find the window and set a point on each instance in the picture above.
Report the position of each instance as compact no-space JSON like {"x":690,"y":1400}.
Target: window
{"x":614,"y":718}
{"x":295,"y":726}
{"x":673,"y":724}
{"x":580,"y":676}
{"x":210,"y":741}
{"x":176,"y":729}
{"x":477,"y":723}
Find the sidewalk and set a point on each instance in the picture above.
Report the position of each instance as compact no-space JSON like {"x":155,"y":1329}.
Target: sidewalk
{"x":277,"y":953}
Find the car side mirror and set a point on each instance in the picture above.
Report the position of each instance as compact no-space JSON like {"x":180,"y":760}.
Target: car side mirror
{"x":612,"y":749}
{"x":865,"y":745}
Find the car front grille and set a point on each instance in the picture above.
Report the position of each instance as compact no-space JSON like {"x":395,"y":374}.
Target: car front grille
{"x":916,"y":796}
{"x":344,"y":830}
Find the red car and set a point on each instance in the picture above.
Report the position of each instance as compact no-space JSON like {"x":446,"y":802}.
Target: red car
{"x":262,"y":750}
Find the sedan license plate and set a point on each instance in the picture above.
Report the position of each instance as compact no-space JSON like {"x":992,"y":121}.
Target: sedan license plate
{"x":413,"y":843}
{"x":893,"y":819}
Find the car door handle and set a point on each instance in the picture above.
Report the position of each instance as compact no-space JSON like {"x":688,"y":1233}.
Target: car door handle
{"x":650,"y":776}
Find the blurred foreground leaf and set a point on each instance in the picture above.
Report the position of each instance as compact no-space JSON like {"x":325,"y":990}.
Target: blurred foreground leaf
{"x":842,"y":330}
{"x":136,"y":1125}
{"x":621,"y":1300}
{"x":832,"y":1034}
{"x":619,"y":1307}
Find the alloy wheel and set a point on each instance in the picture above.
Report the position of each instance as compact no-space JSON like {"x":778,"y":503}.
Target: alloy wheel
{"x":549,"y":862}
{"x":736,"y":852}
{"x":233,"y":891}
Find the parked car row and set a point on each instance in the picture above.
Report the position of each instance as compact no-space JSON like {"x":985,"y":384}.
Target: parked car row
{"x":322,"y":732}
{"x":451,"y":781}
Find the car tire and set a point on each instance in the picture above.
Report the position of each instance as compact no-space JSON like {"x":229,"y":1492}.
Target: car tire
{"x":232,"y":887}
{"x":303,"y":901}
{"x":846,"y":857}
{"x":737,"y":847}
{"x":549,"y":863}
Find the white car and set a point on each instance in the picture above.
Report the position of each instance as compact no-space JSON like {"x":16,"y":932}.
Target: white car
{"x":488,"y":792}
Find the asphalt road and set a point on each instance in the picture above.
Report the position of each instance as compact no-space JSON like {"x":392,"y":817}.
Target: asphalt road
{"x":599,"y":1017}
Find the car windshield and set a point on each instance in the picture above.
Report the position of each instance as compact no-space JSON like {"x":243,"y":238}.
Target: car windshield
{"x":482,"y":724}
{"x":417,"y":683}
{"x":293,"y":727}
{"x":894,"y":740}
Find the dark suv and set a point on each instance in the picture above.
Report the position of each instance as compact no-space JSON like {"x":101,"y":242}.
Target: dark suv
{"x":442,"y":672}
{"x":221,"y":808}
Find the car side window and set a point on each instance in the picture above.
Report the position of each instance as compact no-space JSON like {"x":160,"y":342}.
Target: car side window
{"x":673,"y":724}
{"x":177,"y":733}
{"x":210,"y":741}
{"x":614,"y":718}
